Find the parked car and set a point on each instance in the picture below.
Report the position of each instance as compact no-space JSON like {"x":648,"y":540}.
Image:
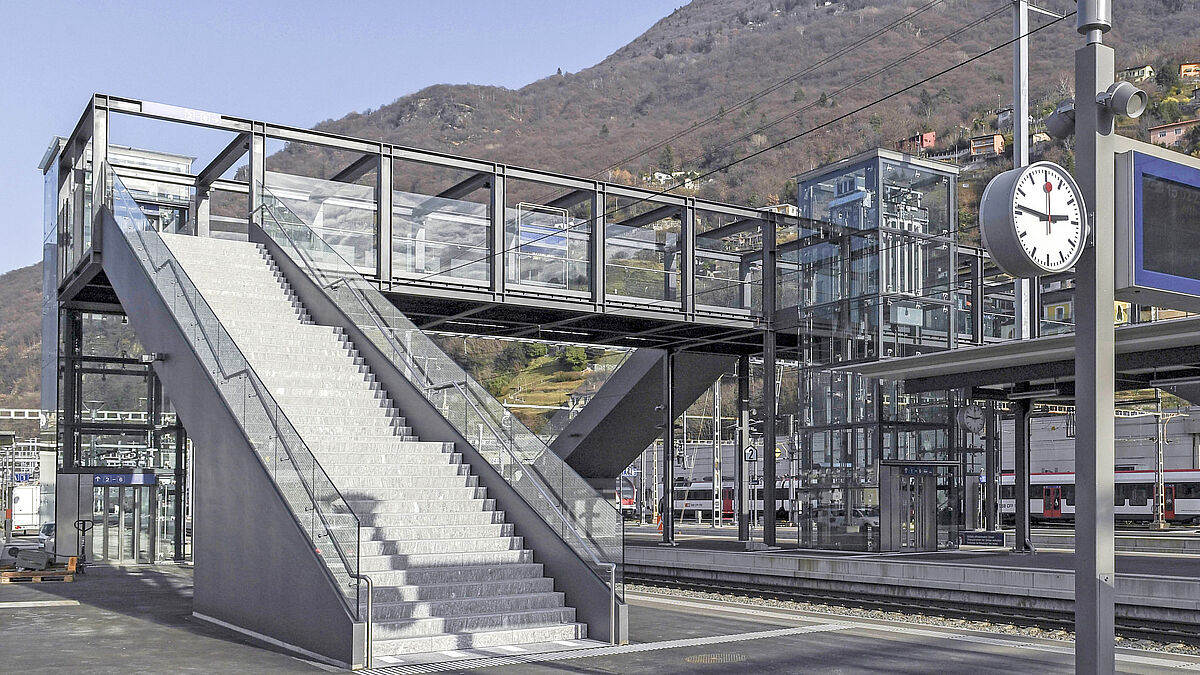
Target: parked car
{"x":46,"y":537}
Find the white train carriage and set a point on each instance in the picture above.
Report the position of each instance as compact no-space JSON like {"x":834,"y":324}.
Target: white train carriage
{"x":1052,"y":496}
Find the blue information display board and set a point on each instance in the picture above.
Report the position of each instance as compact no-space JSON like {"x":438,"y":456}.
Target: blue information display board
{"x":1158,"y":227}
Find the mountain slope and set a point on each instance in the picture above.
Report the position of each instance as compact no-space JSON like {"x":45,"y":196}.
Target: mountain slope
{"x":707,"y":56}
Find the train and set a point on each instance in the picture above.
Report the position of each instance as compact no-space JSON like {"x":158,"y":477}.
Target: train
{"x":694,"y":500}
{"x":1052,"y":496}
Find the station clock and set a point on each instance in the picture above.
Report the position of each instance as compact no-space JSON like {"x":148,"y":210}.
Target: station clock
{"x":1032,"y":220}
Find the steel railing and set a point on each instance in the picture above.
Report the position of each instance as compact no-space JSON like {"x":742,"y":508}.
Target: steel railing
{"x":587,"y":522}
{"x":314,"y":501}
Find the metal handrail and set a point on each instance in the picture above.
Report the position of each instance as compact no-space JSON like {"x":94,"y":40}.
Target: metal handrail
{"x":370,"y":638}
{"x":386,"y":331}
{"x":184,"y":281}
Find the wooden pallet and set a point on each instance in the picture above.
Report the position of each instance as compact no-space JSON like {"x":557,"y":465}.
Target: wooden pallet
{"x":35,"y":576}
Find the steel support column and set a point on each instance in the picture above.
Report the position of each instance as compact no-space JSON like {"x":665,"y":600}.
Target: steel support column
{"x":596,"y":267}
{"x":99,"y":188}
{"x":718,"y":509}
{"x":497,"y":256}
{"x":687,"y":258}
{"x":1094,"y":351}
{"x":1020,"y":410}
{"x":383,"y":218}
{"x":668,"y":451}
{"x":742,"y":494}
{"x":769,"y":386}
{"x":258,"y":175}
{"x":991,"y":485}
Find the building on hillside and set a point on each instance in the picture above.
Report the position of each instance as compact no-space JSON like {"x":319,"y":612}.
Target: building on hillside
{"x":1196,"y":95}
{"x":1171,"y":134}
{"x":1137,"y":73}
{"x":1189,"y":71}
{"x":915,"y":144}
{"x":987,"y":145}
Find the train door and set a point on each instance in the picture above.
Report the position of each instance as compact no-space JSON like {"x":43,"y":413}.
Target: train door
{"x":1052,"y":501}
{"x":726,"y":503}
{"x":1168,"y":502}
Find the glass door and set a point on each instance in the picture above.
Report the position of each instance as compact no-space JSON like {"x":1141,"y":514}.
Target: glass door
{"x":125,"y":529}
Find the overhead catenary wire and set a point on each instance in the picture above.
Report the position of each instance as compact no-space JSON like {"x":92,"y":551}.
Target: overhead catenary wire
{"x":838,"y":118}
{"x":860,"y":81}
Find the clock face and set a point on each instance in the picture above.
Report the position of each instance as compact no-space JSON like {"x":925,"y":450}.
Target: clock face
{"x":971,"y":418}
{"x":1047,"y":217}
{"x":1033,"y":220}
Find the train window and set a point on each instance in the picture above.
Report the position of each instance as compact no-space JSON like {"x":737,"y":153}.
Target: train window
{"x":1068,"y":494}
{"x":1121,"y":492}
{"x":1187,"y":490}
{"x":1008,"y":492}
{"x":1140,"y":495}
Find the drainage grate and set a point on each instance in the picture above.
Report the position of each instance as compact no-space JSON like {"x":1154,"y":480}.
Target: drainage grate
{"x":713,"y":659}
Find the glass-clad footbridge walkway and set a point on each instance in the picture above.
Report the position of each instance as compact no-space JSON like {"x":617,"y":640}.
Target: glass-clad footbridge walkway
{"x":462,"y":244}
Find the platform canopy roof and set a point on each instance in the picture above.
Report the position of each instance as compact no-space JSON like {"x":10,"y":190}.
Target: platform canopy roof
{"x":1164,"y":354}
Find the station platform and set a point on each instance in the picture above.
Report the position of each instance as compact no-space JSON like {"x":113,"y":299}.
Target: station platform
{"x":137,"y":619}
{"x":1152,"y":587}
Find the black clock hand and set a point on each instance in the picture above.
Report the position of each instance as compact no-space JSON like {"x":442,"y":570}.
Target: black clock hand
{"x":1055,"y":219}
{"x":1039,"y":214}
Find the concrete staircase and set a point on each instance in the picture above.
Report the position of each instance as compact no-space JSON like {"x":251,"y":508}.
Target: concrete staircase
{"x":449,"y":573}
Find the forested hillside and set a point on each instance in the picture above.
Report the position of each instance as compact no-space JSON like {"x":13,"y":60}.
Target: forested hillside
{"x":708,"y":57}
{"x":20,"y":337}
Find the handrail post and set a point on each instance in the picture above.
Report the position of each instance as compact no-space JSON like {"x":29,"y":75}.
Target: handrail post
{"x":370,"y":615}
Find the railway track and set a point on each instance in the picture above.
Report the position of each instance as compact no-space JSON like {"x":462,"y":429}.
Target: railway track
{"x":1026,"y":617}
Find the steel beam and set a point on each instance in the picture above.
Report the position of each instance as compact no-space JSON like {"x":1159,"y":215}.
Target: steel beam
{"x":741,"y":225}
{"x":467,"y":186}
{"x":224,"y":160}
{"x":653,"y":216}
{"x":359,"y":168}
{"x":571,"y":199}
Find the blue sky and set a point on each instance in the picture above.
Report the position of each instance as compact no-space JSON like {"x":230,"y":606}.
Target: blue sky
{"x":297,"y":63}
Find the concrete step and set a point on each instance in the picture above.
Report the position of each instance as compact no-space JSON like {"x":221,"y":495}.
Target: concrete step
{"x":385,"y":471}
{"x":408,"y":500}
{"x":430,"y":532}
{"x":426,"y":592}
{"x":395,"y":513}
{"x":458,"y":575}
{"x":399,"y":548}
{"x":478,"y":639}
{"x":386,"y":612}
{"x":404,"y":628}
{"x":383,"y":563}
{"x":385,"y":521}
{"x":381,"y":484}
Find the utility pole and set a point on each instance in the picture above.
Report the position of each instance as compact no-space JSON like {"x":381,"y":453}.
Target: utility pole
{"x":1094,"y":347}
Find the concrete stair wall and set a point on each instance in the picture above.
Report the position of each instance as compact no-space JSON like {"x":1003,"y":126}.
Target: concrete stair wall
{"x":449,"y":572}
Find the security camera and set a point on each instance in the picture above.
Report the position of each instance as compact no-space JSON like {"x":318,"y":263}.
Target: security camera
{"x":1124,"y":99}
{"x":1061,"y":122}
